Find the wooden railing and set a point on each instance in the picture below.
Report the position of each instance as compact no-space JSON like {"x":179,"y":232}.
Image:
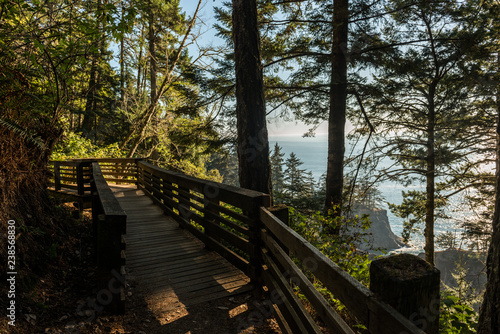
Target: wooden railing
{"x":75,"y":174}
{"x":109,"y":227}
{"x":282,"y":274}
{"x":237,"y":224}
{"x":70,"y":175}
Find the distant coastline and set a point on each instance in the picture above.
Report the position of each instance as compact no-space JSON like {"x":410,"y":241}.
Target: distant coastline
{"x":312,"y":151}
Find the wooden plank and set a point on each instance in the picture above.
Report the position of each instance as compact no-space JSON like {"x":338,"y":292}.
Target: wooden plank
{"x":187,"y":273}
{"x":179,"y":265}
{"x":199,"y":291}
{"x":154,"y":270}
{"x":218,"y":294}
{"x":282,"y":304}
{"x":140,"y":261}
{"x":106,"y":172}
{"x":120,"y":180}
{"x":207,"y":288}
{"x":160,"y":253}
{"x":221,"y":276}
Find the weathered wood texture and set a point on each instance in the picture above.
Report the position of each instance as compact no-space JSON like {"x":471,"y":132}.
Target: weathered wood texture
{"x":170,"y":267}
{"x":411,"y":286}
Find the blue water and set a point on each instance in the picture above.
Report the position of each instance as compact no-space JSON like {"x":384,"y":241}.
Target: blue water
{"x":313,"y":153}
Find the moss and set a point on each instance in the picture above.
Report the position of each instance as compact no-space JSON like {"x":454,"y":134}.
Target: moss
{"x":404,"y":266}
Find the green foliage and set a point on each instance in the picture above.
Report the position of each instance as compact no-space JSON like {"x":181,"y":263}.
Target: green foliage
{"x":340,"y":248}
{"x":75,"y":146}
{"x":456,"y":317}
{"x":457,"y":314}
{"x":18,"y":129}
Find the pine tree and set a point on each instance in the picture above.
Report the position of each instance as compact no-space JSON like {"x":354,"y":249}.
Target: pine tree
{"x":295,"y":183}
{"x":421,"y":110}
{"x":277,"y":175}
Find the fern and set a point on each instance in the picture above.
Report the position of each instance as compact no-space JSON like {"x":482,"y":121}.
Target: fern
{"x":24,"y":133}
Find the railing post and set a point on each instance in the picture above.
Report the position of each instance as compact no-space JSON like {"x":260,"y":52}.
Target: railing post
{"x":79,"y":178}
{"x":111,"y":279}
{"x":209,"y":206}
{"x":411,"y":286}
{"x":281,"y":212}
{"x":137,"y":172}
{"x":255,"y":263}
{"x":57,"y":175}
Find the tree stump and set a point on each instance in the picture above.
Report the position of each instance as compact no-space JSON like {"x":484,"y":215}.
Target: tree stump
{"x":411,"y":286}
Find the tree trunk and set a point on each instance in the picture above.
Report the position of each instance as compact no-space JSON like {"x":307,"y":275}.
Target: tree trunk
{"x":152,"y":56}
{"x":336,"y":120}
{"x":88,"y":117}
{"x":489,"y":317}
{"x":153,"y":80}
{"x":253,"y":144}
{"x":139,"y":64}
{"x":122,"y":59}
{"x":90,"y":105}
{"x":430,"y":180}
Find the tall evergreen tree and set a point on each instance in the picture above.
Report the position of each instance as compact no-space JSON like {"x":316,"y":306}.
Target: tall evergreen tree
{"x":489,"y":318}
{"x":296,"y":183}
{"x":422,"y":107}
{"x":277,"y":176}
{"x":253,"y":144}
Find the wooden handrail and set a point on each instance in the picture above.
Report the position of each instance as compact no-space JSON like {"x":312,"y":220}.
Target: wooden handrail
{"x":109,"y":225}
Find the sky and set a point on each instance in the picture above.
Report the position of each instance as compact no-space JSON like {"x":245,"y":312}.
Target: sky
{"x":206,"y":15}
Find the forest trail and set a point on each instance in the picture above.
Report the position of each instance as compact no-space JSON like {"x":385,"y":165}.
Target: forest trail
{"x":166,"y":265}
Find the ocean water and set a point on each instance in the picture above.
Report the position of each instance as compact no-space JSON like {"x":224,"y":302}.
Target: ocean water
{"x":313,"y":153}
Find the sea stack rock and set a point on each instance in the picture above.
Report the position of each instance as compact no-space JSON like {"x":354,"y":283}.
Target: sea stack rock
{"x":379,"y":235}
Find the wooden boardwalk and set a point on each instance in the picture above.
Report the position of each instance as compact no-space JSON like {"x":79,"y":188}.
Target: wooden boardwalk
{"x":171,"y":268}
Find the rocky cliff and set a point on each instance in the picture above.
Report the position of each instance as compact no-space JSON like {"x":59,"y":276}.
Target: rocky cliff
{"x":379,"y":235}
